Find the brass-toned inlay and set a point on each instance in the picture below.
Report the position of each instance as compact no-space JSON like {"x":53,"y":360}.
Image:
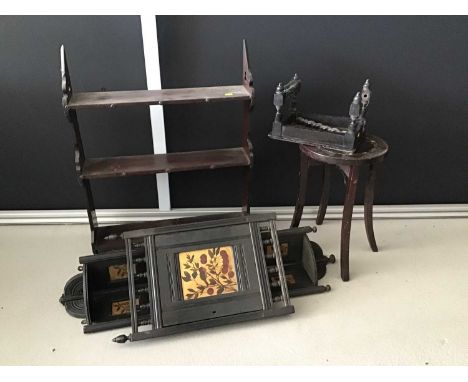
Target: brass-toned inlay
{"x":120,"y":307}
{"x":283,"y":248}
{"x":290,"y":280}
{"x":118,"y":272}
{"x":208,"y":272}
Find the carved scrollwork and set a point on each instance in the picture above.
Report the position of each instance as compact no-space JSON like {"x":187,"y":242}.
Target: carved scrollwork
{"x":247,"y":78}
{"x":365,"y":97}
{"x":338,"y":132}
{"x":285,"y":99}
{"x":358,"y":107}
{"x":78,"y":161}
{"x":355,"y":107}
{"x":66,"y":83}
{"x":250,"y":145}
{"x":278,"y":101}
{"x":293,"y":86}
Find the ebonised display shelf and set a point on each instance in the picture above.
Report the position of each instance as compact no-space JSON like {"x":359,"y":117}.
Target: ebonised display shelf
{"x":100,"y":293}
{"x":94,"y":168}
{"x":165,"y":299}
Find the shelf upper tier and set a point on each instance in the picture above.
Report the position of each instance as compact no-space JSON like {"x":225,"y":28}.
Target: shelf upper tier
{"x":159,"y":97}
{"x":164,"y":163}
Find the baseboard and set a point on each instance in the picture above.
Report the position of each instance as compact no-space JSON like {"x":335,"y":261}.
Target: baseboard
{"x":116,"y":216}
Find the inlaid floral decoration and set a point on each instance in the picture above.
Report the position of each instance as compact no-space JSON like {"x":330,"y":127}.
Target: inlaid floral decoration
{"x":208,"y":272}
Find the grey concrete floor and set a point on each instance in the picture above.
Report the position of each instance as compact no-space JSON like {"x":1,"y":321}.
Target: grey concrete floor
{"x":406,"y":305}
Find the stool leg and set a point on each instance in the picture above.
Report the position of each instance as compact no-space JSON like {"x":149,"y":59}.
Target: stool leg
{"x":368,"y":207}
{"x":325,"y":194}
{"x":351,"y":185}
{"x":303,"y":175}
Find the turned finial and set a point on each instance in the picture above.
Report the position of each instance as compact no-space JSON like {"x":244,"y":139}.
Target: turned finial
{"x":121,"y":339}
{"x":354,"y":108}
{"x":366,"y":93}
{"x":279,"y":88}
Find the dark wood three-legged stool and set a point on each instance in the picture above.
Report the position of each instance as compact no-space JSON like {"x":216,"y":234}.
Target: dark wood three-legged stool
{"x":371,"y":153}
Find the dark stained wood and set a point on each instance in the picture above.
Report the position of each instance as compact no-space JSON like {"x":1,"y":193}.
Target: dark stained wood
{"x":108,"y":238}
{"x":325,"y":194}
{"x":79,"y":151}
{"x":247,"y":145}
{"x":351,"y":186}
{"x":91,"y":210}
{"x":161,"y":163}
{"x":301,"y":194}
{"x":368,"y":207}
{"x":168,"y":306}
{"x":373,"y":150}
{"x":246,"y":193}
{"x":214,"y":322}
{"x":247,"y":78}
{"x":159,"y":97}
{"x":164,"y":163}
{"x":247,"y":82}
{"x":371,"y":153}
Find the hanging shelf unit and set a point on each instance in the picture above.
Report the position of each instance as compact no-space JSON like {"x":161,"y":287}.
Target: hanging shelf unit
{"x":104,"y":238}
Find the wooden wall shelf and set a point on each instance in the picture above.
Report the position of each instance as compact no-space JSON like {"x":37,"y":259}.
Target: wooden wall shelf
{"x":94,"y":168}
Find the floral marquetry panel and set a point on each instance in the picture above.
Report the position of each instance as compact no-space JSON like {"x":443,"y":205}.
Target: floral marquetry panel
{"x":208,"y":272}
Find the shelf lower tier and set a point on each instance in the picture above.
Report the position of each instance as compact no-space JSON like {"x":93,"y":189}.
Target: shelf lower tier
{"x":164,"y":163}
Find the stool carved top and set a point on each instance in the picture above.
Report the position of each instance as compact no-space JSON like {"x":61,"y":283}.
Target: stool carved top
{"x":373,"y":150}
